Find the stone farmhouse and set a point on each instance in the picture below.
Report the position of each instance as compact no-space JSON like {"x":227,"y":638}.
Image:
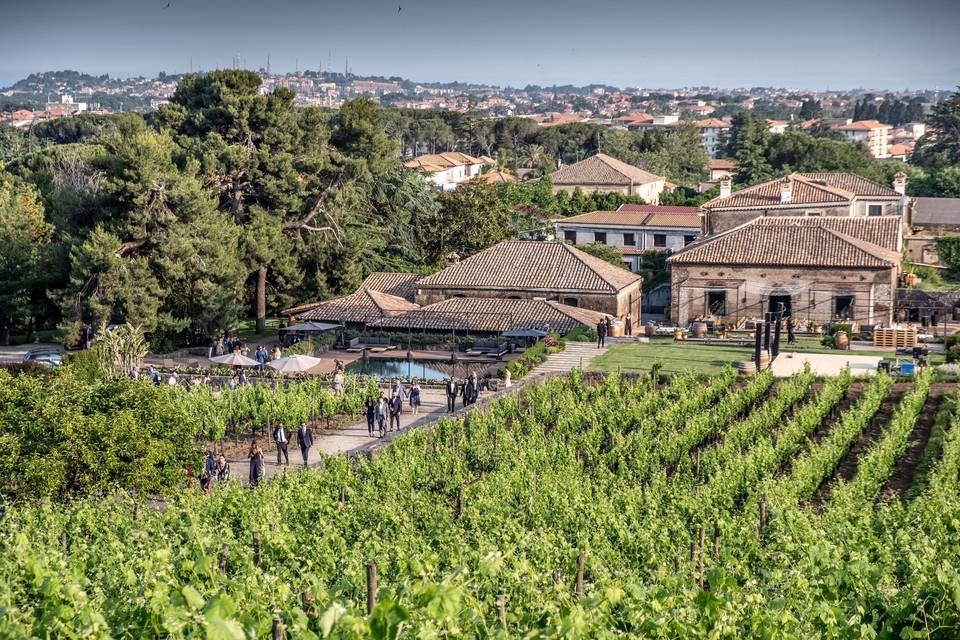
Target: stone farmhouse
{"x":819,"y":268}
{"x":804,"y":194}
{"x":603,"y":174}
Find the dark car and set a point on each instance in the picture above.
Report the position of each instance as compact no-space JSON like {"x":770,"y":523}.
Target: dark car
{"x":49,"y":356}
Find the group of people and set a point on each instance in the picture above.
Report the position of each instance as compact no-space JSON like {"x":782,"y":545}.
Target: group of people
{"x":281,"y":438}
{"x":604,"y":326}
{"x":469,"y":391}
{"x":381,"y":410}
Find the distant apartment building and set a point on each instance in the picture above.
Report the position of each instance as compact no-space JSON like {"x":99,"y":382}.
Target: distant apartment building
{"x":447,"y":170}
{"x":872,"y":134}
{"x":713,"y":133}
{"x":604,"y":174}
{"x":634,"y":229}
{"x":370,"y":87}
{"x":777,"y":126}
{"x":660,"y":122}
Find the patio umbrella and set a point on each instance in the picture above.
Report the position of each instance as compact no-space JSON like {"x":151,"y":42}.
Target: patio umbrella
{"x":294,"y":364}
{"x":235,"y":360}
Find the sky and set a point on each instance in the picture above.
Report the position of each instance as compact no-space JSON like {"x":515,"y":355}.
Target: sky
{"x":804,"y":44}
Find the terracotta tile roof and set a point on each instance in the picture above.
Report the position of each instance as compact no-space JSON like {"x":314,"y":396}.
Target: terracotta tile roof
{"x":792,"y":241}
{"x":363,"y":305}
{"x":806,"y":189}
{"x":935,"y":212}
{"x":493,"y":315}
{"x":864,"y":125}
{"x":722,"y":164}
{"x":654,"y":208}
{"x":621,"y":217}
{"x":532,"y":266}
{"x":601,"y":169}
{"x":402,"y":285}
{"x":496,"y":177}
{"x":433,"y":162}
{"x":711,"y":122}
{"x":900,"y":149}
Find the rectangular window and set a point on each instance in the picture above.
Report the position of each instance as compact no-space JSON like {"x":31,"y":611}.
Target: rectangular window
{"x":687,"y":240}
{"x":570,"y":302}
{"x":875,"y":210}
{"x":843,"y":307}
{"x":570,"y":236}
{"x":629,"y":240}
{"x":600,"y":237}
{"x":659,"y":239}
{"x":815,"y":213}
{"x":717,"y":303}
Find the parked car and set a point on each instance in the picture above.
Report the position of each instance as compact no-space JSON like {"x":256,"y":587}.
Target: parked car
{"x":49,"y":356}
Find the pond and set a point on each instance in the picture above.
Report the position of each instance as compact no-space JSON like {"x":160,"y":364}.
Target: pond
{"x":386,"y":368}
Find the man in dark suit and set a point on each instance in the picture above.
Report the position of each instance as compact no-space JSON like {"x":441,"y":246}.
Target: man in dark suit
{"x":396,"y":406}
{"x":304,"y":441}
{"x":451,"y":394}
{"x":471,"y":389}
{"x":282,"y":437}
{"x":601,"y":333}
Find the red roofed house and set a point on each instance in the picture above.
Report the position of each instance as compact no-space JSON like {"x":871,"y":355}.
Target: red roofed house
{"x":804,"y":194}
{"x":604,"y":174}
{"x":819,"y":268}
{"x":634,"y":229}
{"x":872,"y":134}
{"x":447,"y":170}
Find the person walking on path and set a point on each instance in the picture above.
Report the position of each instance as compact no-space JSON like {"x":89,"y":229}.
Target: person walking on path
{"x":396,"y":406}
{"x":473,"y":385}
{"x":282,"y":437}
{"x":371,"y":407}
{"x":261,"y":358}
{"x":451,"y":394}
{"x":256,"y":464}
{"x":223,"y":470}
{"x":381,"y":412}
{"x":415,"y":397}
{"x":628,"y":328}
{"x":304,"y":441}
{"x":601,"y":333}
{"x":209,"y":472}
{"x":338,"y":384}
{"x":398,"y":389}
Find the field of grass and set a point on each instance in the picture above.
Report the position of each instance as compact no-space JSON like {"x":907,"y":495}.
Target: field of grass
{"x":702,"y":358}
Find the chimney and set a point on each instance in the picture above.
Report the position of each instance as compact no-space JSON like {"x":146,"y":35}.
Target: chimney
{"x":452,"y":258}
{"x":725,"y":187}
{"x":900,"y":183}
{"x":786,"y":190}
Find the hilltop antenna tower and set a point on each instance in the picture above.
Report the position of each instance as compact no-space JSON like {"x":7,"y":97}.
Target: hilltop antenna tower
{"x":268,"y":64}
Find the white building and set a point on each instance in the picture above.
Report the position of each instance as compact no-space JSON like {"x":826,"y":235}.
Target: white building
{"x":447,"y":170}
{"x":870,"y":133}
{"x":634,"y":229}
{"x":713,"y":133}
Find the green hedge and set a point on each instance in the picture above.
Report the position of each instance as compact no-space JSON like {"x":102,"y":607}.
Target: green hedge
{"x":533,"y":356}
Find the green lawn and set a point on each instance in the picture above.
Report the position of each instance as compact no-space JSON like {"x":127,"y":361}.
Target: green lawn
{"x":246,"y":329}
{"x":709,"y":359}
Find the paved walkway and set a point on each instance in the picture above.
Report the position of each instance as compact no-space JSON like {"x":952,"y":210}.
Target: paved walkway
{"x":343,"y":440}
{"x":824,"y":364}
{"x":577,"y":355}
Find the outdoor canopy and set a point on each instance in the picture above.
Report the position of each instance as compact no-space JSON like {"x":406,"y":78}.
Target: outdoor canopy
{"x":524,"y":333}
{"x":294,"y":364}
{"x":311,"y":327}
{"x":235,"y":360}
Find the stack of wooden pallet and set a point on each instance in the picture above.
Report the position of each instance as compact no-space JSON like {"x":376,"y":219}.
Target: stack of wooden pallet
{"x":894,"y":338}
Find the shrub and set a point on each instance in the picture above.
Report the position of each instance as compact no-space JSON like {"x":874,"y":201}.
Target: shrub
{"x":582,"y":333}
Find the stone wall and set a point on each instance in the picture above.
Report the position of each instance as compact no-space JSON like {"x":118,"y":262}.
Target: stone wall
{"x":811,"y":292}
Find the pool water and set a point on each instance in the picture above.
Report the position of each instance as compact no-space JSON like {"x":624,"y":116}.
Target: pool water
{"x":386,"y":368}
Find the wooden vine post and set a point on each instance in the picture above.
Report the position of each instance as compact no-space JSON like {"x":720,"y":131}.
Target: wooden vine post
{"x":579,"y":584}
{"x":256,"y":549}
{"x":279,"y":630}
{"x":700,"y":538}
{"x":502,"y":610}
{"x":371,"y":587}
{"x":716,"y":540}
{"x":224,"y":558}
{"x":306,"y":598}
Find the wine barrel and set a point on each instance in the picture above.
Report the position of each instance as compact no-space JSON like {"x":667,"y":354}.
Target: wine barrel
{"x":698,"y":329}
{"x":746,"y":368}
{"x":764,"y":359}
{"x":841,"y":340}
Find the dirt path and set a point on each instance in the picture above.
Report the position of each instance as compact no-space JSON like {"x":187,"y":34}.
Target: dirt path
{"x":903,"y":474}
{"x":847,"y":467}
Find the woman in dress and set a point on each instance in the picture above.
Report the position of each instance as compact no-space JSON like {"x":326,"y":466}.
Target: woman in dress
{"x":415,"y":397}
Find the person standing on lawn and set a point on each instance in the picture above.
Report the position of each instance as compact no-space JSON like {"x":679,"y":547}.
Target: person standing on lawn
{"x":396,"y":406}
{"x":256,"y":464}
{"x":415,"y":397}
{"x":451,"y":394}
{"x":282,"y":437}
{"x":371,"y":407}
{"x":304,"y":441}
